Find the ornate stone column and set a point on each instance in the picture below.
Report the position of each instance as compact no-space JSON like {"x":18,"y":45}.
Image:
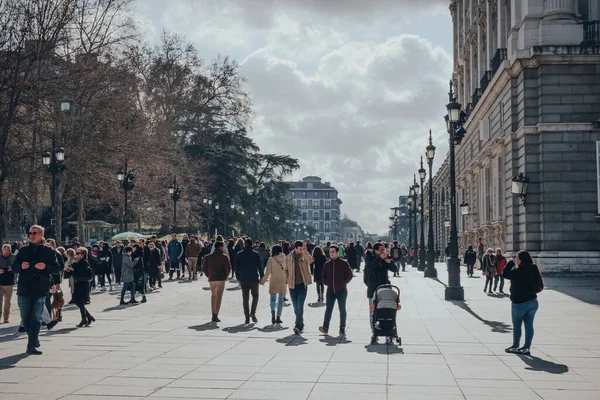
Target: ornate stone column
{"x":560,"y":26}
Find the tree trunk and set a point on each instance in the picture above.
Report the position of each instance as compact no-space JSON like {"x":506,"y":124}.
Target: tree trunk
{"x":80,"y":218}
{"x":2,"y":211}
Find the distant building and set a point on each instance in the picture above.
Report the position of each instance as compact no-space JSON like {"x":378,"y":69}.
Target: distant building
{"x":318,"y":205}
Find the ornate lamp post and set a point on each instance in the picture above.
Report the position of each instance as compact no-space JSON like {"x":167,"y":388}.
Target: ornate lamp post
{"x":410,"y":227}
{"x":207,"y":203}
{"x":416,"y":229}
{"x":126,"y":177}
{"x":54,"y":162}
{"x":454,"y":291}
{"x":430,"y":272}
{"x":175,"y":192}
{"x":422,"y":174}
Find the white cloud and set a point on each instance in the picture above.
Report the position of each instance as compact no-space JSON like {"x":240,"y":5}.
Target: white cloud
{"x":338,"y":85}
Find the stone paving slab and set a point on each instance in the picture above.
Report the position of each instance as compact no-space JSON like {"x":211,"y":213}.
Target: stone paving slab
{"x":168,"y":349}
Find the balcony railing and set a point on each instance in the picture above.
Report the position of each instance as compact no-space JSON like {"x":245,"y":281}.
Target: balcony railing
{"x":501,"y":55}
{"x":485,"y":81}
{"x":591,"y":33}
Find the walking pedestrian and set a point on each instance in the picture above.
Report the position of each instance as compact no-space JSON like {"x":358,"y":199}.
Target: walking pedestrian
{"x":359,"y":255}
{"x":470,"y":259}
{"x":404,"y":256}
{"x":298,"y":277}
{"x":378,"y":263}
{"x":249,"y":271}
{"x":317,"y":271}
{"x":351,"y":256}
{"x":127,"y":276}
{"x":263,"y":252}
{"x":7,"y":281}
{"x":489,"y":269}
{"x":34,"y":263}
{"x":192,"y":253}
{"x":216,"y":267}
{"x":336,"y":275}
{"x":82,"y":274}
{"x":275,"y":271}
{"x":480,"y":252}
{"x":154,"y":265}
{"x":174,"y":254}
{"x":396,"y":254}
{"x":184,"y":264}
{"x":117,"y":260}
{"x":525,"y":283}
{"x":500,"y":264}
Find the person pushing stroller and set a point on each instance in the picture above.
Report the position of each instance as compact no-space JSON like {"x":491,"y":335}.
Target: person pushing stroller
{"x":377,"y":265}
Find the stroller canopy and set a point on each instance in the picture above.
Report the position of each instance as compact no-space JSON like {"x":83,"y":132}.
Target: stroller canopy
{"x":387,"y":298}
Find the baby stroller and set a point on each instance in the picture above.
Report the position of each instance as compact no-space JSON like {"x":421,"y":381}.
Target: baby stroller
{"x":386,"y":303}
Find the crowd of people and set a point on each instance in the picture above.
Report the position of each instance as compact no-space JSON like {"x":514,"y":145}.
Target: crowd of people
{"x":40,"y":267}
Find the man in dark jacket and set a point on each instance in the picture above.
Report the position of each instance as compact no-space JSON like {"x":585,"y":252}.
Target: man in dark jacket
{"x":34,"y":264}
{"x":359,"y":255}
{"x":117,"y":259}
{"x":336,"y":275}
{"x":376,"y":272}
{"x":249,"y":271}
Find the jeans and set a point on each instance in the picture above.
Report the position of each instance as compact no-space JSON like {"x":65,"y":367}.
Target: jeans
{"x":277,"y":298}
{"x":341,"y":297}
{"x":117,"y":274}
{"x":246,"y":289}
{"x":31,"y":313}
{"x":523,"y":313}
{"x":298,"y":297}
{"x":128,"y":286}
{"x":501,"y":279}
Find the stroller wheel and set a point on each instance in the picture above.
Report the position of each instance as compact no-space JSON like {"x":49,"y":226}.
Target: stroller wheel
{"x":399,"y":340}
{"x":373,"y":340}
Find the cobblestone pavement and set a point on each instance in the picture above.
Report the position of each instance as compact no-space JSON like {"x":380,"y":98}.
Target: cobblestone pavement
{"x":168,"y":349}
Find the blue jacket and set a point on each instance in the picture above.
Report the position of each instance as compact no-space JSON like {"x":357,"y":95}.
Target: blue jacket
{"x":175,"y":250}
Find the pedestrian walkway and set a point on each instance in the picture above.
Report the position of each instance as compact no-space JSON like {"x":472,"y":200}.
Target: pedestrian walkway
{"x":167,"y":349}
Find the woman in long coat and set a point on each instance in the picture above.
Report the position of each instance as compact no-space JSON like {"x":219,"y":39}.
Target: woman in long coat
{"x":317,"y":271}
{"x":277,"y":284}
{"x":351,"y":256}
{"x":82,"y":274}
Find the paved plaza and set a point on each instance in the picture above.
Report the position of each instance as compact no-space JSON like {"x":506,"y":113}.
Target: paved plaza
{"x":167,"y":349}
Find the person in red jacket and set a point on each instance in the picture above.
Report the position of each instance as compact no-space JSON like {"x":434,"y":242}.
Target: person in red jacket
{"x":336,"y":276}
{"x":500,"y":264}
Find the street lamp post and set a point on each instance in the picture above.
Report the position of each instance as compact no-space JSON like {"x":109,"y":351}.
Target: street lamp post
{"x":422,"y":174}
{"x":207,"y":203}
{"x":126,"y":177}
{"x":175,"y":192}
{"x":410,"y":231}
{"x":217,"y":207}
{"x":430,"y":272}
{"x":54,"y":161}
{"x":454,"y":291}
{"x":416,"y":229}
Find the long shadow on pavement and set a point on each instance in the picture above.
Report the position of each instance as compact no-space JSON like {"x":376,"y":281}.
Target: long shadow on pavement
{"x":209,"y":326}
{"x":292,"y":340}
{"x":316,"y":305}
{"x":334,"y":341}
{"x":11,"y":361}
{"x":272,"y":328}
{"x":538,"y":364}
{"x":497,"y":326}
{"x":384,"y":349}
{"x":240,"y":328}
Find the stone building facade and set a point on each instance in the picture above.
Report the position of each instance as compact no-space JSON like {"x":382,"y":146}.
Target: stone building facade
{"x":527,"y":73}
{"x":318,"y":205}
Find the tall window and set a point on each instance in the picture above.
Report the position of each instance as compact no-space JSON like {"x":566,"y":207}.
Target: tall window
{"x":293,"y":195}
{"x":327,"y":204}
{"x":500,"y":194}
{"x":326,"y":216}
{"x":327,"y":227}
{"x":304,"y":204}
{"x":303,"y":216}
{"x":316,"y":225}
{"x":303,"y":195}
{"x":316,"y":195}
{"x":326,"y":195}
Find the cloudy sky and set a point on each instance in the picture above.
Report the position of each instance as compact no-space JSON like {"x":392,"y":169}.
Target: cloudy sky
{"x":349,"y":87}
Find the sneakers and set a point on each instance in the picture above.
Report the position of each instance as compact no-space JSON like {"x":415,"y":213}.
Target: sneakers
{"x":122,"y":303}
{"x":523,"y":351}
{"x":134,"y":301}
{"x":342,"y":331}
{"x":34,"y":352}
{"x":296,"y":330}
{"x":512,"y":350}
{"x":322,"y":329}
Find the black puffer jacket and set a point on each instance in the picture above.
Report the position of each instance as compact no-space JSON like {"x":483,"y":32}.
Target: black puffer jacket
{"x":32,"y":281}
{"x":376,"y":272}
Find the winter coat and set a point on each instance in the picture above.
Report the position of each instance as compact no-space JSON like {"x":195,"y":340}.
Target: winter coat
{"x":489,"y":265}
{"x":8,"y":277}
{"x":525,"y":281}
{"x":216,"y":266}
{"x":290,"y":268}
{"x":82,"y":275}
{"x":58,"y":277}
{"x":276,"y":271}
{"x":127,"y":269}
{"x":396,"y":253}
{"x":154,"y":261}
{"x":117,"y":256}
{"x":351,"y":257}
{"x":470,"y":257}
{"x":104,"y":263}
{"x":336,"y":275}
{"x":248,"y":266}
{"x":359,"y":251}
{"x":32,"y":281}
{"x":376,"y":273}
{"x":318,"y":267}
{"x":193,"y":249}
{"x":175,"y":250}
{"x":263,"y":252}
